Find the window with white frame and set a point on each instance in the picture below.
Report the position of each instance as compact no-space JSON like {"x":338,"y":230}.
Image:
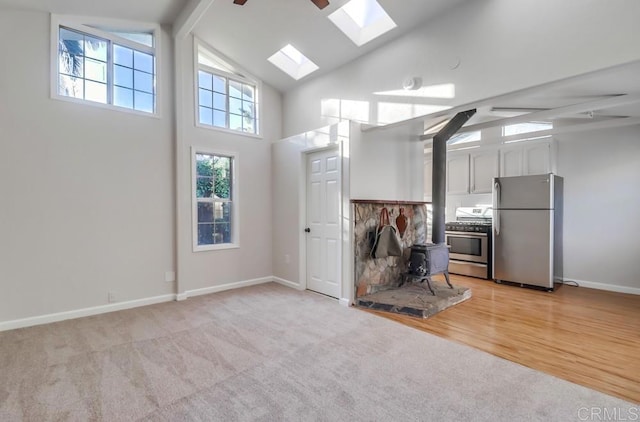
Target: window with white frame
{"x":526,"y":127}
{"x":226,"y":97}
{"x":103,"y":65}
{"x":214,"y":209}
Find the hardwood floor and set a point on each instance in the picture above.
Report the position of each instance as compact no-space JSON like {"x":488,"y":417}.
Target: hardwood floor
{"x":589,"y":337}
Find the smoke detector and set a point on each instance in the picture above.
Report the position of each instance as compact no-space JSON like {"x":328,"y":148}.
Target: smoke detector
{"x":412,"y":83}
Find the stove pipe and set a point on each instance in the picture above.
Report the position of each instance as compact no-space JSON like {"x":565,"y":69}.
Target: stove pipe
{"x":439,"y":157}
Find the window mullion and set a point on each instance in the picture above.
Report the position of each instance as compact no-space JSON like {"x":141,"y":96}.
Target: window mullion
{"x":227,"y":111}
{"x":110,"y":72}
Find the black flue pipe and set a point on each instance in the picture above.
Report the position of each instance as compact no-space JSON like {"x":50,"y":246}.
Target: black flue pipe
{"x":439,"y":188}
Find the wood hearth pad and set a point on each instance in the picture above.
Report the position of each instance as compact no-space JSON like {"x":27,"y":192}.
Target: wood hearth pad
{"x":415,"y":299}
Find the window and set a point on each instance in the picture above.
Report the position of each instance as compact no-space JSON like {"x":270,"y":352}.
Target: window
{"x":527,"y":127}
{"x":214,"y":209}
{"x":227,"y":99}
{"x":465,"y":137}
{"x":105,"y":66}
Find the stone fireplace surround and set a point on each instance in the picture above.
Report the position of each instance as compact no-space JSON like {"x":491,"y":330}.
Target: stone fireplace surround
{"x":374,"y":275}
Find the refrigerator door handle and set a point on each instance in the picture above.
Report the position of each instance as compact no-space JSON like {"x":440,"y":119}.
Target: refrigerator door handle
{"x":496,"y":212}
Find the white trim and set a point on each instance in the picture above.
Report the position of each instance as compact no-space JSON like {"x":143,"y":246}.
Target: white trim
{"x":227,"y":130}
{"x":79,"y":313}
{"x":344,"y":302}
{"x":189,"y":18}
{"x":79,"y":23}
{"x":222,"y":287}
{"x":305,"y":154}
{"x":215,"y":246}
{"x":287,"y":283}
{"x":604,"y":286}
{"x":241,"y":76}
{"x":235,"y":202}
{"x":112,"y":307}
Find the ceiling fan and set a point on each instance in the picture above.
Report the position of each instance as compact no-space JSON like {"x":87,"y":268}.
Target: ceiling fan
{"x":320,"y":3}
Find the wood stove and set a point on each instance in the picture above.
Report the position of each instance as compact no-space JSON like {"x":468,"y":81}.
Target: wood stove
{"x":427,"y":260}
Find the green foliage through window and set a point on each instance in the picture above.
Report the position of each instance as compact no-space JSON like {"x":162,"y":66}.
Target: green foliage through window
{"x":214,"y":190}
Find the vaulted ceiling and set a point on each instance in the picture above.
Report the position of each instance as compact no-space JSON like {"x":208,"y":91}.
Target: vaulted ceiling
{"x":251,"y":33}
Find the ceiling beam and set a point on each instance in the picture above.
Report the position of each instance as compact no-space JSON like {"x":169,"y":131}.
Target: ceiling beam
{"x":600,"y":104}
{"x":561,"y":130}
{"x":189,"y":17}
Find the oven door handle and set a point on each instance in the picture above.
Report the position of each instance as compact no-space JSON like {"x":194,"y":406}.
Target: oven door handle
{"x":496,"y":211}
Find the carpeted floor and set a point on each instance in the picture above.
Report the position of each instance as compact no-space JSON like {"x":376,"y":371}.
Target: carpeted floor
{"x":268,"y":353}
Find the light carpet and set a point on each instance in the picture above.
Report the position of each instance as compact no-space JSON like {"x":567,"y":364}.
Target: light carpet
{"x":267,"y":353}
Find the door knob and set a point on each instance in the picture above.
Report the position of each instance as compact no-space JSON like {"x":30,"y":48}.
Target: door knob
{"x":307,"y":230}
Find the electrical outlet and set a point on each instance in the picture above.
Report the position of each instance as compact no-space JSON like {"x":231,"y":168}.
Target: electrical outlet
{"x":170,"y":276}
{"x":112,"y":297}
{"x":287,"y":259}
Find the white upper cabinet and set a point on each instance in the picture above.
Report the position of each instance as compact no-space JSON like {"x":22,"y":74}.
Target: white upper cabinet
{"x":537,"y":159}
{"x":526,"y":159}
{"x":484,"y":167}
{"x":473,"y":172}
{"x":511,"y":162}
{"x":457,"y":174}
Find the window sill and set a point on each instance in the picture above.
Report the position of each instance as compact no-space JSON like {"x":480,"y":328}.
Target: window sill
{"x":104,"y":106}
{"x":229,"y":131}
{"x":218,"y":247}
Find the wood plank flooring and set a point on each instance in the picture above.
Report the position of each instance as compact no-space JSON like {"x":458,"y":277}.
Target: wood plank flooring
{"x":589,"y":337}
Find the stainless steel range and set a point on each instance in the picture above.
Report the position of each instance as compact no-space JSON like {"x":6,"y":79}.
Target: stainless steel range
{"x":469,"y":241}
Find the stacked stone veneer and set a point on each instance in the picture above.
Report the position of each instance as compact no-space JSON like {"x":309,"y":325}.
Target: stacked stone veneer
{"x":373,"y":275}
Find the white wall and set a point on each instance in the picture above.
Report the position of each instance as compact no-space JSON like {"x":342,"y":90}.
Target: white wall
{"x":86,"y":193}
{"x":253,"y":260}
{"x":601,"y":171}
{"x":388,"y":163}
{"x":503,"y":45}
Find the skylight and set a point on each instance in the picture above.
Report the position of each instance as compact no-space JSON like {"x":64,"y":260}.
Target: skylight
{"x":362,"y":20}
{"x":293,"y":62}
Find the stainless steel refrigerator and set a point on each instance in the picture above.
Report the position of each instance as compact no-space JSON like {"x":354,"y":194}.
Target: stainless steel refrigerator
{"x":527,"y":230}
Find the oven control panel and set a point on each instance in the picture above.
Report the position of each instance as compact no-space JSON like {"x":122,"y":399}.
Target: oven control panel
{"x":459,"y":226}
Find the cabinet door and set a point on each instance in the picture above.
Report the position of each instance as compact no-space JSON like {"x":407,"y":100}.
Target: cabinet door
{"x":484,"y":167}
{"x":428,"y":178}
{"x":458,"y":174}
{"x":537,"y":159}
{"x":511,"y":162}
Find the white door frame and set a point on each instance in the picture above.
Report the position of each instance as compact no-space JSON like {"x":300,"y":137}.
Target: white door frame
{"x":303,"y":214}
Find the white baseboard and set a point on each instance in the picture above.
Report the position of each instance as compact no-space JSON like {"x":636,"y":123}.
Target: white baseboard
{"x":95,"y":310}
{"x":604,"y":286}
{"x":288,"y":283}
{"x":79,"y":313}
{"x":344,"y":302}
{"x":222,"y":287}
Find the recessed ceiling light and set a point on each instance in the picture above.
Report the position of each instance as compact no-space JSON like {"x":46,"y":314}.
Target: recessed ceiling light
{"x":362,"y":20}
{"x":293,"y":62}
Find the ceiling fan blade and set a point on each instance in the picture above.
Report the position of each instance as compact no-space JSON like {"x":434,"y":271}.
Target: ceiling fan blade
{"x":320,"y":3}
{"x":239,"y":2}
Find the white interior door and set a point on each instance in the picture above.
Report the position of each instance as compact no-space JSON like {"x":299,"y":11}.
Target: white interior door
{"x":323,"y":222}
